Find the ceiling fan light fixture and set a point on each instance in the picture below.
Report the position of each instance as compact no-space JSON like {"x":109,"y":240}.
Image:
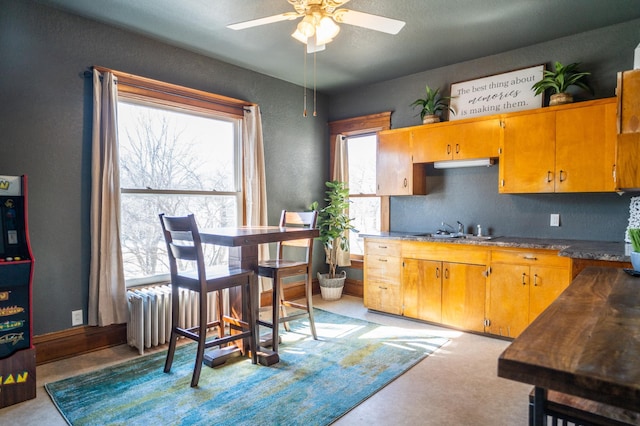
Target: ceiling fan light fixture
{"x":307,"y":27}
{"x":326,"y":30}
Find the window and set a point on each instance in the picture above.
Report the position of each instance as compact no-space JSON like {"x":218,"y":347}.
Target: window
{"x":370,"y":212}
{"x":176,"y":161}
{"x":365,"y":205}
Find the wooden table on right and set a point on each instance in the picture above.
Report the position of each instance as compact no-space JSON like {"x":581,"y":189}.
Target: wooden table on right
{"x":585,"y":344}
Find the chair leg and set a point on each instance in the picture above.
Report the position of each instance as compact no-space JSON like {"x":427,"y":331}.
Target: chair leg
{"x":175,"y":305}
{"x":283,"y":308}
{"x":220,"y":314}
{"x":202,"y":339}
{"x":275,"y":311}
{"x":309,"y":295}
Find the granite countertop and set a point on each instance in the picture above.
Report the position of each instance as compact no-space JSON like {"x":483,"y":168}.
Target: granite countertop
{"x":613,"y":251}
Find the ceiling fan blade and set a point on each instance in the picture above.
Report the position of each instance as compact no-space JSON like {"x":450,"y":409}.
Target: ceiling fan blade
{"x":289,"y":16}
{"x":367,"y":20}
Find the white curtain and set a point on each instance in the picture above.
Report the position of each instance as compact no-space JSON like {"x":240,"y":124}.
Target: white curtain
{"x":107,"y":293}
{"x":341,"y":173}
{"x":255,"y":185}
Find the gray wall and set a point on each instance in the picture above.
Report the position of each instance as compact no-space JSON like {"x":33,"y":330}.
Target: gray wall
{"x":471,"y":195}
{"x":45,"y":129}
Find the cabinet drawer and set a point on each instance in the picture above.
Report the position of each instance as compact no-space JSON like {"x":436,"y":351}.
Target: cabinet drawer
{"x":383,"y":247}
{"x":382,"y":268}
{"x":530,"y":257}
{"x":456,"y":253}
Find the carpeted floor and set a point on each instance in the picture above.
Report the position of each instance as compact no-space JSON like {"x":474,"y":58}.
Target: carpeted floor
{"x":315,"y":382}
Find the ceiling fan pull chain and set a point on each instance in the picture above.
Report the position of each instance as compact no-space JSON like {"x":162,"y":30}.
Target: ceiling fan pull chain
{"x":304,"y":96}
{"x":315,"y":113}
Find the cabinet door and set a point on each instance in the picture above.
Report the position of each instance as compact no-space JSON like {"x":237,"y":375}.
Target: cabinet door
{"x":527,"y":159}
{"x":585,"y":148}
{"x":395,"y":172}
{"x":627,"y":165}
{"x":546,"y":284}
{"x":508,"y":299}
{"x":463,"y":295}
{"x":422,"y":289}
{"x":432,"y":142}
{"x":477,"y":139}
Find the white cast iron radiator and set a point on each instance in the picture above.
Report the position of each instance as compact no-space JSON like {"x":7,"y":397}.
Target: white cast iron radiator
{"x":150,"y":314}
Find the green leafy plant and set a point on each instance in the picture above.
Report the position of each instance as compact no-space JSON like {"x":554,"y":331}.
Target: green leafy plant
{"x":432,"y":103}
{"x":634,"y":236}
{"x":561,"y":78}
{"x":334,"y":222}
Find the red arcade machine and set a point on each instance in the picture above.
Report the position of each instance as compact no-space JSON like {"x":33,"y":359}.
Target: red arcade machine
{"x":17,"y":353}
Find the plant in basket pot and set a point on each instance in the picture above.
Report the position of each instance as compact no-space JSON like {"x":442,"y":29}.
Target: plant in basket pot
{"x":334,"y":224}
{"x":432,"y":105}
{"x":558,"y":81}
{"x":634,"y":236}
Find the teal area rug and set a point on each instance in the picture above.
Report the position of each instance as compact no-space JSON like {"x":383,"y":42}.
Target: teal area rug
{"x":315,"y":382}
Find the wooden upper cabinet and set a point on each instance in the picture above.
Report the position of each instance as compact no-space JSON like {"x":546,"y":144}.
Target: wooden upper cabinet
{"x":527,"y":159}
{"x":395,"y":171}
{"x":570,"y":148}
{"x":628,"y":92}
{"x":585,"y":148}
{"x":473,"y":138}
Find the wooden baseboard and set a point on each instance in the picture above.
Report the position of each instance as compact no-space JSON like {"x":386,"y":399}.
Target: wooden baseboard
{"x":79,"y":340}
{"x":76,"y":341}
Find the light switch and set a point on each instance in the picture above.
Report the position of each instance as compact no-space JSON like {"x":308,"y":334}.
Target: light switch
{"x":555,"y":219}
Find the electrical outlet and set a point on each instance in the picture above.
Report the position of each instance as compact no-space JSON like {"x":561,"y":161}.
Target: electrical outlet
{"x":555,"y":220}
{"x":76,"y":318}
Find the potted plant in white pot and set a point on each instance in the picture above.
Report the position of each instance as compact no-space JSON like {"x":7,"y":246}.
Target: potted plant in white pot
{"x":634,"y":236}
{"x":558,"y":81}
{"x":432,"y":105}
{"x":334,"y":223}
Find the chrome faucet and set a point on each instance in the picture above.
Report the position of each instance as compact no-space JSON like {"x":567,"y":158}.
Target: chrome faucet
{"x":460,"y":229}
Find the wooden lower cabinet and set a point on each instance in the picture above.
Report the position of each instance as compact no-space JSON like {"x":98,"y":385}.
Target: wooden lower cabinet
{"x":444,"y":292}
{"x":522,"y":284}
{"x":382,"y":275}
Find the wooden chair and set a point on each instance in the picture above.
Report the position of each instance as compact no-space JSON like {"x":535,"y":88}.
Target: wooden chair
{"x":280,"y":268}
{"x":183,"y":242}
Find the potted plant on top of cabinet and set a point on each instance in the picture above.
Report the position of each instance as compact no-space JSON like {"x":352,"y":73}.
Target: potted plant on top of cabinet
{"x":432,"y":105}
{"x":559,"y":80}
{"x":333,"y":224}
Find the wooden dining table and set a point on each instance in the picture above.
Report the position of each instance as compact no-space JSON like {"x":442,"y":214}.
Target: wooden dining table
{"x":243,"y":245}
{"x":586,"y":344}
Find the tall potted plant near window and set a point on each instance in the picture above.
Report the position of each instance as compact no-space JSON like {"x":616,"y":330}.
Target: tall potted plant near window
{"x":334,"y":224}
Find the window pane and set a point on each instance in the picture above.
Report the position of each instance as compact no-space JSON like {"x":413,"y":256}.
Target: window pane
{"x":366,"y":212}
{"x":362,"y":164}
{"x":169,"y":149}
{"x":143,"y":247}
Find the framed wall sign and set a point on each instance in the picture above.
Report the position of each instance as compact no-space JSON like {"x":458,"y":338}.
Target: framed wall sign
{"x":495,"y":94}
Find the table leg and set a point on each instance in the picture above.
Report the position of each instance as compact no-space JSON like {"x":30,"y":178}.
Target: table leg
{"x":245,"y":257}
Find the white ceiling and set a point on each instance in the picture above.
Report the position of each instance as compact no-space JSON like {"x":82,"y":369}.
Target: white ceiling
{"x":437,"y":32}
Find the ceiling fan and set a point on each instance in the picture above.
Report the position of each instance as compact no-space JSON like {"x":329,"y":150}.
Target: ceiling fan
{"x":319,"y":21}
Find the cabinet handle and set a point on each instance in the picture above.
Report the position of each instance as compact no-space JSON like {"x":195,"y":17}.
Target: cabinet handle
{"x":382,"y":260}
{"x":448,"y":148}
{"x":524,"y":275}
{"x":405,"y":183}
{"x":437,"y":272}
{"x":446,"y":273}
{"x":565,"y":173}
{"x":457,"y":148}
{"x":613,"y":173}
{"x":535,"y":280}
{"x":382,"y":247}
{"x":526,"y":257}
{"x":548,"y":176}
{"x":382,"y":288}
